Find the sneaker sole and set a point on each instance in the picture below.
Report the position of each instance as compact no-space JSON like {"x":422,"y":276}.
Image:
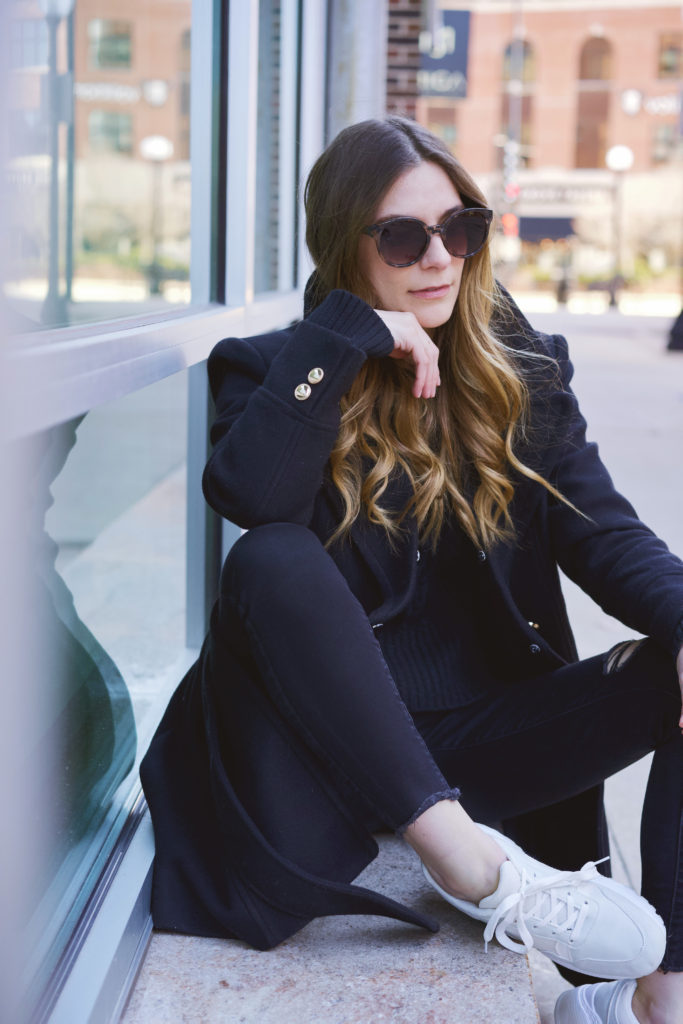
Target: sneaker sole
{"x":572,"y":1008}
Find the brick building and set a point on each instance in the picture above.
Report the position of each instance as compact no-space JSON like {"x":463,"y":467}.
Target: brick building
{"x":543,"y":91}
{"x":591,"y":75}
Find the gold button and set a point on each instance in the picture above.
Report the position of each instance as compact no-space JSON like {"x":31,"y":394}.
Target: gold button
{"x":316,"y":375}
{"x":534,"y":625}
{"x":302,"y":392}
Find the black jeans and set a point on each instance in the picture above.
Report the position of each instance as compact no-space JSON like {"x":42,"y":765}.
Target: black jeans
{"x":542,"y":741}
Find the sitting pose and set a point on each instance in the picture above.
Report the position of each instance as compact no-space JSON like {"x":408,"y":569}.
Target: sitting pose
{"x":390,"y":647}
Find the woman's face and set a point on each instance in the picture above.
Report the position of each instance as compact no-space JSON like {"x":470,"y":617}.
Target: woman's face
{"x":428,"y":288}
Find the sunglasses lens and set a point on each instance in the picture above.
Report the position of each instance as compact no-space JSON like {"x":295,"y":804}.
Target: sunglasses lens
{"x":402,"y":242}
{"x":465,"y":232}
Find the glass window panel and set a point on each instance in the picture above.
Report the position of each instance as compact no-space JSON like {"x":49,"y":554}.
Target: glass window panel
{"x":670,"y":62}
{"x":110,"y":132}
{"x":28,"y":44}
{"x":107,"y":533}
{"x":99,"y":169}
{"x":109,"y":43}
{"x":665,"y":142}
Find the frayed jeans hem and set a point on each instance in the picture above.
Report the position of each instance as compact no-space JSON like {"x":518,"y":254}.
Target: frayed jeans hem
{"x":435,"y":798}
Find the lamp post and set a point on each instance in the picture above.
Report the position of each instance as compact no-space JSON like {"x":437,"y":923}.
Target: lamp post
{"x":156,"y":149}
{"x":619,"y":159}
{"x":54,"y":307}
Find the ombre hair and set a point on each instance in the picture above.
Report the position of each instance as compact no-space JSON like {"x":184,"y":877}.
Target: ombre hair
{"x":458,"y":449}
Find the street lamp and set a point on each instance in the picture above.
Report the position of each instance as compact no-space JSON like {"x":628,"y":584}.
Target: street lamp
{"x":619,"y":159}
{"x":54,"y":307}
{"x":156,"y":149}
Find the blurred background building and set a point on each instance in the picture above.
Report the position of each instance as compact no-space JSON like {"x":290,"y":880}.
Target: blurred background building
{"x":544,"y":101}
{"x":152,"y":152}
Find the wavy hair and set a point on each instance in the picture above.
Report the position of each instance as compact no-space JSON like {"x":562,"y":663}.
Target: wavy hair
{"x":458,"y":449}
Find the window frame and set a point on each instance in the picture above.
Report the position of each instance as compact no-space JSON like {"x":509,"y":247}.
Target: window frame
{"x":68,"y":371}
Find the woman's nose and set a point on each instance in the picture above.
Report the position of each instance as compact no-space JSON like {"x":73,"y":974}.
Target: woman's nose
{"x":436,"y":254}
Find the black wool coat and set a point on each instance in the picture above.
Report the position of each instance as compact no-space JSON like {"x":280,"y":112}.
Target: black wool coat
{"x":219,"y":770}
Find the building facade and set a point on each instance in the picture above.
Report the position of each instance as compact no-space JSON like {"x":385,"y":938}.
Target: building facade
{"x":590,"y":76}
{"x":546,"y":89}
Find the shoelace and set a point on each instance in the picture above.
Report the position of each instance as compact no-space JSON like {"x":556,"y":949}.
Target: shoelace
{"x":511,"y":911}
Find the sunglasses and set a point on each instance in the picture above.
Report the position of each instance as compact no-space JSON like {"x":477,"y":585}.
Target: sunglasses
{"x":402,"y":241}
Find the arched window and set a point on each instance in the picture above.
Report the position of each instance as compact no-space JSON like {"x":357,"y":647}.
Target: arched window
{"x":519,"y":73}
{"x":593,"y":102}
{"x":595,"y":63}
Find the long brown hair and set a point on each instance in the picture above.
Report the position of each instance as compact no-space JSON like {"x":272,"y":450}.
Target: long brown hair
{"x":457,"y":450}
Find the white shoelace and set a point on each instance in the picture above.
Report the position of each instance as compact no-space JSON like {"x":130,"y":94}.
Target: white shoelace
{"x":512,"y":911}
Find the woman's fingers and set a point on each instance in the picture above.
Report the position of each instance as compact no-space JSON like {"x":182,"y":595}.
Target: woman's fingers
{"x":412,"y":342}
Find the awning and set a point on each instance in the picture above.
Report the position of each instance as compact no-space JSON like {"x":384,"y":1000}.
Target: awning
{"x":535,"y":229}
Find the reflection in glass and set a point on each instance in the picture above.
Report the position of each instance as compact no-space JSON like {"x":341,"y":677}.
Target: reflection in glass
{"x":109,"y":43}
{"x":89,"y":86}
{"x":106,"y":525}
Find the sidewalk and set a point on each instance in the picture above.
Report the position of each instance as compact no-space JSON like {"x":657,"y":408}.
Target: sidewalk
{"x":342,"y":970}
{"x":366,"y":970}
{"x":655,"y":304}
{"x":631,"y":392}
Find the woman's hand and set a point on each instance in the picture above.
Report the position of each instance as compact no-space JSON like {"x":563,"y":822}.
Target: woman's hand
{"x":412,"y":342}
{"x":679,"y":666}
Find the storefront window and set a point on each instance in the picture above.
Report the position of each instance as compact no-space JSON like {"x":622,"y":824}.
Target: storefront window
{"x":106,"y":532}
{"x":99,"y":172}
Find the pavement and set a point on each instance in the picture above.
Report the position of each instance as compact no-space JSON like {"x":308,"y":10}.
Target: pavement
{"x":631,"y":392}
{"x":365,"y":970}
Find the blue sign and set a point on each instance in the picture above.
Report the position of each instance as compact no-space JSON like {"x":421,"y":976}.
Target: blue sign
{"x":443,"y":57}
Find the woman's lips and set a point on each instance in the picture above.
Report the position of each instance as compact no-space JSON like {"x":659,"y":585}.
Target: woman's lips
{"x":436,"y":292}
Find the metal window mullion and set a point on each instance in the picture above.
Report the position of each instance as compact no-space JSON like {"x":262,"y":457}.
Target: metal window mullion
{"x":312,"y":116}
{"x":240,"y":197}
{"x":204,"y":101}
{"x":203,"y":528}
{"x":287,"y":142}
{"x":243,"y":54}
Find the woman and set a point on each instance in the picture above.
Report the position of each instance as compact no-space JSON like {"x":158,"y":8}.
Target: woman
{"x":390,"y":646}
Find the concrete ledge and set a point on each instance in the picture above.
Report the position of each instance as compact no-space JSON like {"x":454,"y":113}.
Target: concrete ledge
{"x":342,"y":970}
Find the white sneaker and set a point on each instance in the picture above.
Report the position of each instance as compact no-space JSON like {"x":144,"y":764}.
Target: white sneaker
{"x":610,"y":1002}
{"x":579,"y":919}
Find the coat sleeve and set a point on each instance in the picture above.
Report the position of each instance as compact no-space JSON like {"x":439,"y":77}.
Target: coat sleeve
{"x":271,"y":449}
{"x":608,"y":551}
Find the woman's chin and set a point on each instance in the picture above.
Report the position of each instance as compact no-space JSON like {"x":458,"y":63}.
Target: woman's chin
{"x":430,"y":319}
